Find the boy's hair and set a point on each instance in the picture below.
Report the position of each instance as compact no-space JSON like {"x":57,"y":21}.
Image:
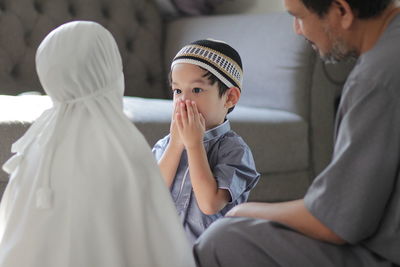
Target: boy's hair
{"x":221,"y":61}
{"x":363,"y":9}
{"x":222,"y":88}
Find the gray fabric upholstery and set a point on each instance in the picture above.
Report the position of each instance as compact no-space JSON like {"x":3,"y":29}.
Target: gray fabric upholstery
{"x":282,"y":146}
{"x":276,"y":63}
{"x":196,"y":7}
{"x":287,"y":107}
{"x":135,"y":24}
{"x":175,"y":8}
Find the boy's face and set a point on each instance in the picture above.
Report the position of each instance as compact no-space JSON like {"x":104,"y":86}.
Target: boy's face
{"x":188,"y":82}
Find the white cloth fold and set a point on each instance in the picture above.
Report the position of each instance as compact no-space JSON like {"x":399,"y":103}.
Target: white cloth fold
{"x":84,"y":187}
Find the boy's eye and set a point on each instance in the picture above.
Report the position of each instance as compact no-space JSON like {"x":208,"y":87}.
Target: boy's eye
{"x":177,"y":91}
{"x":197,"y":90}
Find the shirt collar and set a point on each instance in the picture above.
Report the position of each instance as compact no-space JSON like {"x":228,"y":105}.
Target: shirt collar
{"x":217,"y":131}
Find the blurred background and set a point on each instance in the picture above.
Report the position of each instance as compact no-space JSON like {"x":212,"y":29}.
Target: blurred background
{"x":249,"y":6}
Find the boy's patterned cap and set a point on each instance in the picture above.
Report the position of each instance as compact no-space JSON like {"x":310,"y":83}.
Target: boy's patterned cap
{"x":217,"y":57}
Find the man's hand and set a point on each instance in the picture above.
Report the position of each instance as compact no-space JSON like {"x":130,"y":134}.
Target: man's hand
{"x":241,"y":210}
{"x":191,"y":124}
{"x":292,"y":213}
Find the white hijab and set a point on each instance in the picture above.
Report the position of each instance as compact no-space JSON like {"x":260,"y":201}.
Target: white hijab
{"x":84,"y":189}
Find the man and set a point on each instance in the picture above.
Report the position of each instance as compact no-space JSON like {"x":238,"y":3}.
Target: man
{"x":350,"y":215}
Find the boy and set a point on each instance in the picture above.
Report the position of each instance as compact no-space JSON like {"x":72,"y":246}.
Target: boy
{"x":208,"y":167}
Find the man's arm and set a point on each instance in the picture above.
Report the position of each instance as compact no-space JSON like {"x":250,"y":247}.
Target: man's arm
{"x":293,"y":214}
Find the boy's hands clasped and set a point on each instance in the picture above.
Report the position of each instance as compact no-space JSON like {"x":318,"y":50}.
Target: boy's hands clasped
{"x":175,"y":138}
{"x":189,"y":122}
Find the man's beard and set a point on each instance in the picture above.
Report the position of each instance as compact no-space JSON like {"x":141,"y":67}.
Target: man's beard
{"x":340,"y":51}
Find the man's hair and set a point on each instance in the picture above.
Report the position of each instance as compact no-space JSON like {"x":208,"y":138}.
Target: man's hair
{"x":363,"y":9}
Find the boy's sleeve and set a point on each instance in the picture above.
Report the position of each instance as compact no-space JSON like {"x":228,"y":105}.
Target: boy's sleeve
{"x":235,"y":169}
{"x":159,"y":147}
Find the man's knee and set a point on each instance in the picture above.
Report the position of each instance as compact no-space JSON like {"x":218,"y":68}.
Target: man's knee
{"x":239,"y":242}
{"x":212,"y":244}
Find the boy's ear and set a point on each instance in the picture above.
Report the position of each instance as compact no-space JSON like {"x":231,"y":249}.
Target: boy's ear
{"x":232,"y":97}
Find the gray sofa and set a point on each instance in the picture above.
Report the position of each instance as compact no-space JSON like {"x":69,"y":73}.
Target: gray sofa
{"x":286,"y":111}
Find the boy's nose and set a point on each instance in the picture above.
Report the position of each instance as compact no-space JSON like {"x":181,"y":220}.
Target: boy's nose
{"x":184,"y":97}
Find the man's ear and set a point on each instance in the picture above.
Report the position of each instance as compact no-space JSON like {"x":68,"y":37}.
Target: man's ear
{"x":232,"y":97}
{"x":344,"y":12}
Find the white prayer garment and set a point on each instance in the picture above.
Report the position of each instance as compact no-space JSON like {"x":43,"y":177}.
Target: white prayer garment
{"x":84,"y":189}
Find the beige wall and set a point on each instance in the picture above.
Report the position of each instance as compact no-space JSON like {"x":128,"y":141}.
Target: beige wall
{"x":250,"y":6}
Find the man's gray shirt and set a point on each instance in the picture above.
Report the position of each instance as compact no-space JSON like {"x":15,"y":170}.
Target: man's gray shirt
{"x":358,"y":194}
{"x":233,"y":167}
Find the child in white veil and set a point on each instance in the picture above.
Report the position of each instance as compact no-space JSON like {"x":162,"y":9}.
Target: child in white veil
{"x":84,"y":189}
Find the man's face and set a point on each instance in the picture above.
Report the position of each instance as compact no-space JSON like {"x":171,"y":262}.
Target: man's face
{"x":321,"y":33}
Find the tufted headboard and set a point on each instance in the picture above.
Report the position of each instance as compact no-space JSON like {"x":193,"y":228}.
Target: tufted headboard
{"x":135,"y":24}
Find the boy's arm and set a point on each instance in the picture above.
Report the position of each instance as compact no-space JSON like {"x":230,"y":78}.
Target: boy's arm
{"x":191,"y":125}
{"x":292,"y":213}
{"x":210,"y":198}
{"x":169,"y":162}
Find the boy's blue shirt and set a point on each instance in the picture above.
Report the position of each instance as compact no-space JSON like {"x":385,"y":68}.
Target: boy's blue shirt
{"x":232,"y":164}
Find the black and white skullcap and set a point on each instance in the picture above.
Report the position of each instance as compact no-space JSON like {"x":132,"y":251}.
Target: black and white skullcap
{"x":217,"y":57}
